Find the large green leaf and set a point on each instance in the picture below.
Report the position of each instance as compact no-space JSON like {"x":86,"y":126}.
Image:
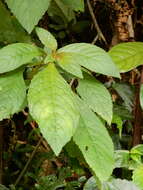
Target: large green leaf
{"x":66,"y":62}
{"x":127,"y":56}
{"x":96,"y":96}
{"x":138,"y":176}
{"x":52,"y":105}
{"x":10,"y":30}
{"x":28,"y":12}
{"x":92,"y":58}
{"x":12,"y":94}
{"x":76,"y":5}
{"x":16,"y":55}
{"x":47,"y":38}
{"x":95,"y":143}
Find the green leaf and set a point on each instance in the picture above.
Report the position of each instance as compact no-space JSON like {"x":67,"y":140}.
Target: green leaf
{"x":122,"y":112}
{"x":92,"y":58}
{"x":66,"y":62}
{"x":96,"y":96}
{"x":28,"y":12}
{"x":46,"y":38}
{"x":118,"y":121}
{"x":73,"y":150}
{"x":114,"y":184}
{"x":141,"y":96}
{"x":12,"y":94}
{"x":52,"y":105}
{"x":2,"y":187}
{"x":15,"y":55}
{"x":95,"y":143}
{"x":127,"y":56}
{"x":76,"y":5}
{"x":10,"y":30}
{"x":138,"y":176}
{"x":126,"y":93}
{"x":119,"y":184}
{"x":136,"y":152}
{"x":137,"y":149}
{"x":90,"y":184}
{"x":61,"y":13}
{"x":122,"y":158}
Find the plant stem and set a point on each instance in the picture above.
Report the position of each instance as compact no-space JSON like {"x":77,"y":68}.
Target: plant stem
{"x":99,"y":32}
{"x":137,"y":114}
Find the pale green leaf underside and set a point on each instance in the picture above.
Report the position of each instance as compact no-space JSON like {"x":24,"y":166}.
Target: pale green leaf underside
{"x":91,"y":184}
{"x":127,"y":56}
{"x":12,"y":94}
{"x":95,"y":143}
{"x":52,"y":105}
{"x":28,"y":12}
{"x":138,"y":177}
{"x":15,"y":55}
{"x":141,"y":96}
{"x":66,"y":62}
{"x":119,"y":184}
{"x":96,"y":97}
{"x":76,"y":5}
{"x":115,"y":184}
{"x":92,"y":58}
{"x":46,"y":38}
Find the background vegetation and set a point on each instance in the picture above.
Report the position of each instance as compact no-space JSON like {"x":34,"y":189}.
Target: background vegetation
{"x":94,"y":87}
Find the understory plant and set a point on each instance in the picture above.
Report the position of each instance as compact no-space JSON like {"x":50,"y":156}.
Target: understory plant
{"x":78,"y":96}
{"x":63,"y":97}
{"x":61,"y":113}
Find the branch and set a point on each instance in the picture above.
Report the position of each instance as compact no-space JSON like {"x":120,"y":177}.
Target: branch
{"x":99,"y":32}
{"x":138,"y":114}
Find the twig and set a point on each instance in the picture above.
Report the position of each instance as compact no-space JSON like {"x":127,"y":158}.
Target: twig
{"x":99,"y":32}
{"x":45,"y":144}
{"x":95,"y":39}
{"x":72,"y":81}
{"x":130,"y":27}
{"x":28,"y":162}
